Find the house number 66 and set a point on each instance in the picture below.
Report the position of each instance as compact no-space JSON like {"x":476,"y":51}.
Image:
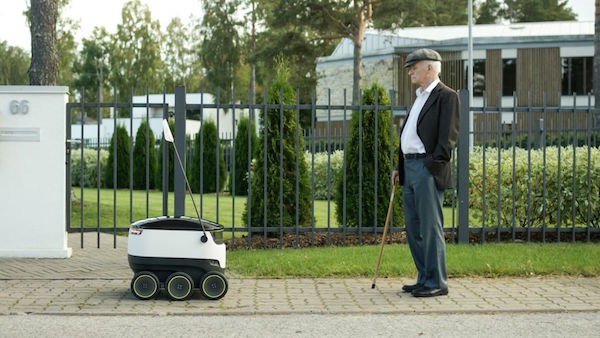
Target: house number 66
{"x":19,"y":107}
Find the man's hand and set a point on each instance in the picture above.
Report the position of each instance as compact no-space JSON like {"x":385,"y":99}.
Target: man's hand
{"x":395,"y":177}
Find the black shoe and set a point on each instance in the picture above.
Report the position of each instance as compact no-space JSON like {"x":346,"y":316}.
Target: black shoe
{"x":411,"y":287}
{"x":429,"y":292}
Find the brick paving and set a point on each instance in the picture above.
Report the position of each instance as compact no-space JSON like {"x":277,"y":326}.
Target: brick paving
{"x":96,"y":282}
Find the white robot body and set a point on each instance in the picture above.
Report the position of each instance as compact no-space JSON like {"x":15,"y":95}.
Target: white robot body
{"x":167,"y":243}
{"x":178,"y":254}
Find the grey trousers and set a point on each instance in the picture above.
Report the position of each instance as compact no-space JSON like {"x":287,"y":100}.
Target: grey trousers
{"x":424,"y":224}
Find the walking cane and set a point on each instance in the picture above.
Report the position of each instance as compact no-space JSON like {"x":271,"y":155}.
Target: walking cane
{"x":385,"y":229}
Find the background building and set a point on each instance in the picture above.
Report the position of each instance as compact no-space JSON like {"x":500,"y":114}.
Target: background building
{"x":554,"y":59}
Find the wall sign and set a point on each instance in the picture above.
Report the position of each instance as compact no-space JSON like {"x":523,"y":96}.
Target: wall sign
{"x":20,"y":134}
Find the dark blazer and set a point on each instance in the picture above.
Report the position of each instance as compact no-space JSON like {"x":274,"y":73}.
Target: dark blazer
{"x":437,"y":127}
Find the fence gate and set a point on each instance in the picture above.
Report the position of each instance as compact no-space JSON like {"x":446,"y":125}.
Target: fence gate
{"x":89,"y":209}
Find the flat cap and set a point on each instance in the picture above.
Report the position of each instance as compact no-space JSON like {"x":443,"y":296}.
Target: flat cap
{"x":420,"y":55}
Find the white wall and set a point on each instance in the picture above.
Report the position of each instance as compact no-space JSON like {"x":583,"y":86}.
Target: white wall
{"x":226,"y":125}
{"x":32,"y":172}
{"x":90,"y":131}
{"x":225,"y":117}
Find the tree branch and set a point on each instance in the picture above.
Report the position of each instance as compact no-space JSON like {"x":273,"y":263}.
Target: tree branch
{"x":341,"y":25}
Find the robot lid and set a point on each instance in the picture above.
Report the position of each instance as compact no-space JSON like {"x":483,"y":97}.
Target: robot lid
{"x":176,"y":223}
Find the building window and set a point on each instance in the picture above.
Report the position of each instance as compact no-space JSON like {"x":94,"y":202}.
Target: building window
{"x":478,"y":76}
{"x":577,"y":73}
{"x":509,"y":76}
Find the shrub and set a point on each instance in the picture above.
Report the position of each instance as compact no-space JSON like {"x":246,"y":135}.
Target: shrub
{"x":209,"y":162}
{"x":271,"y":130}
{"x":320,"y":172}
{"x":536,"y":182}
{"x":122,"y":159}
{"x":241,"y":156}
{"x":90,"y":167}
{"x":139,"y":159}
{"x":384,"y":163}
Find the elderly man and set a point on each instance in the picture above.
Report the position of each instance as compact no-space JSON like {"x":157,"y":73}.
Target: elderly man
{"x":427,"y":138}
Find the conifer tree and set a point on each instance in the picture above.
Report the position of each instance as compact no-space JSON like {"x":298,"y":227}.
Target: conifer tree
{"x":122,"y":159}
{"x":370,"y":147}
{"x":139,"y":158}
{"x":208,"y":152}
{"x":241,"y":156}
{"x":280,"y":169}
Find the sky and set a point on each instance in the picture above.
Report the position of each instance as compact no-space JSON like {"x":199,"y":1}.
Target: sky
{"x":90,"y":14}
{"x":107,"y":13}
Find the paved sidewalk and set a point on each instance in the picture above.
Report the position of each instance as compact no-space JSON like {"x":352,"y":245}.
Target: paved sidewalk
{"x":96,"y":282}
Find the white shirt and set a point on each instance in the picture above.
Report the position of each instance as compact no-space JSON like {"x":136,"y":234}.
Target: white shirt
{"x":410,"y":141}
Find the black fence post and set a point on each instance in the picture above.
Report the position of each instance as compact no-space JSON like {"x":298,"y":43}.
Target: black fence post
{"x":179,"y":180}
{"x":68,"y":168}
{"x":463,"y":169}
{"x":165,"y":161}
{"x":539,"y":141}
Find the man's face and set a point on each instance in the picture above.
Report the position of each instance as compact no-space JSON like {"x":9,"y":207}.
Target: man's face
{"x":418,"y":72}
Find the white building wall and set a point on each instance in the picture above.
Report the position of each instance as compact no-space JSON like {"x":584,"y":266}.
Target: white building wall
{"x":226,"y":124}
{"x":336,"y":76}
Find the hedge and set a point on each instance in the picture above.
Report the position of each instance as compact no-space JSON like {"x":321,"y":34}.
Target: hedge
{"x":90,"y":167}
{"x":337,"y":167}
{"x":523,"y":182}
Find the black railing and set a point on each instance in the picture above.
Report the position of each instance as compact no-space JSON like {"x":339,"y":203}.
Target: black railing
{"x":512,"y":182}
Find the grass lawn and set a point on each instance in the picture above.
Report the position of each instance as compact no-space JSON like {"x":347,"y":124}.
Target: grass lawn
{"x":209,"y":208}
{"x":488,"y":260}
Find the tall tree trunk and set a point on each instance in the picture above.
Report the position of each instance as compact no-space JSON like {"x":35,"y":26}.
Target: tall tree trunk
{"x":597,"y":62}
{"x":364,"y":13}
{"x":44,"y":59}
{"x":253,"y":51}
{"x":357,"y":74}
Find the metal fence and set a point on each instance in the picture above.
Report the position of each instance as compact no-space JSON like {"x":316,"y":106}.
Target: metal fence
{"x":487,"y":204}
{"x":226,"y":141}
